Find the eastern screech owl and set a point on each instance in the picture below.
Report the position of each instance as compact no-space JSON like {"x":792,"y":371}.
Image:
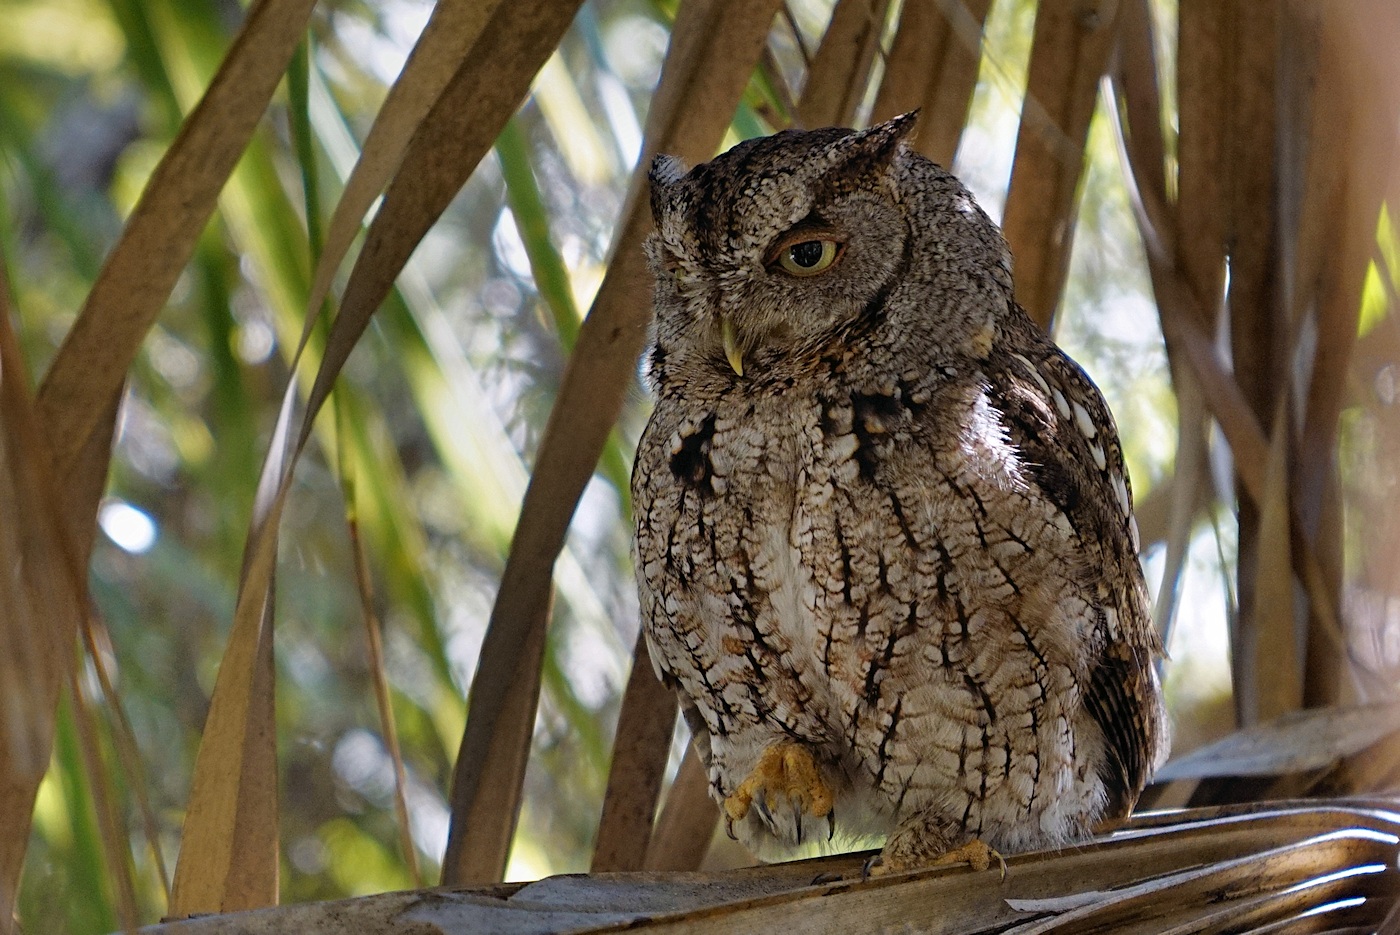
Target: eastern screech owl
{"x":885,"y":543}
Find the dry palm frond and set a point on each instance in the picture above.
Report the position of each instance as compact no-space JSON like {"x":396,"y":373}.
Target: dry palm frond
{"x":1285,"y":866}
{"x":1070,"y":55}
{"x":1322,"y":751}
{"x":932,"y":67}
{"x":687,"y":822}
{"x":644,"y":730}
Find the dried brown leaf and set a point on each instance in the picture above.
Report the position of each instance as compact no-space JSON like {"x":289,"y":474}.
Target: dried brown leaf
{"x":1186,"y":313}
{"x":1068,"y":57}
{"x":460,"y":127}
{"x":77,"y":401}
{"x":1253,"y":219}
{"x":688,"y":820}
{"x":1300,"y":741}
{"x":1268,"y":667}
{"x":98,"y":643}
{"x":1140,"y":135}
{"x":1352,"y":152}
{"x":1181,"y":315}
{"x":1202,"y":87}
{"x":1220,"y":896}
{"x":374,"y":644}
{"x":447,"y":39}
{"x":42,"y":593}
{"x":1135,"y":86}
{"x":228,"y":851}
{"x":232,"y":844}
{"x":111,"y":822}
{"x":839,"y":71}
{"x":1341,"y":215}
{"x":714,"y":47}
{"x":1189,"y":481}
{"x":495,"y":808}
{"x":1326,"y":283}
{"x":779,"y":113}
{"x":933,"y":66}
{"x":644,"y":729}
{"x":1327,"y":677}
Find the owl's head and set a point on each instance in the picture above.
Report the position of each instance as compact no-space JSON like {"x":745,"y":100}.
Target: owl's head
{"x":785,"y":243}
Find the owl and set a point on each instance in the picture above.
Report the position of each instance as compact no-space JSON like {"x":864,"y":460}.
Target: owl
{"x":884,"y":545}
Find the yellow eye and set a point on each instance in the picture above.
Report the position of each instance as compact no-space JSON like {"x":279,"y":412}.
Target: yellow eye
{"x":809,"y":257}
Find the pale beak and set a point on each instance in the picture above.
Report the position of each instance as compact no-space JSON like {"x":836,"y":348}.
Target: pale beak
{"x":731,"y":345}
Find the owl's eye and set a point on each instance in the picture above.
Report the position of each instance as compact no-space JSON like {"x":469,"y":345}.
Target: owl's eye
{"x":809,"y":257}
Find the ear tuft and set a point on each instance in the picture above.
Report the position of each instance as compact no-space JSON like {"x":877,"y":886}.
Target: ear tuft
{"x":881,"y":140}
{"x":870,"y":153}
{"x":665,"y":172}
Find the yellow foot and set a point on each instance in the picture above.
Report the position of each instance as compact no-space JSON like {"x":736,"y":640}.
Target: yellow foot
{"x":785,"y":771}
{"x":977,"y":854}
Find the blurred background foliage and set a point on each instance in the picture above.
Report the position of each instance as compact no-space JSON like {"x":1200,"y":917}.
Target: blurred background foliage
{"x":437,"y":416}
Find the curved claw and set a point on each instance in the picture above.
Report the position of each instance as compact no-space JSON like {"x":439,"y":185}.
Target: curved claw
{"x":785,"y":773}
{"x":763,"y":810}
{"x":1002,"y":861}
{"x":977,"y":854}
{"x":831,"y":824}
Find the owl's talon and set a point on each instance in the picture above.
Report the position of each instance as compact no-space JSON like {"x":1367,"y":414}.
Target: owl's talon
{"x":786,"y":771}
{"x":763,"y":811}
{"x":872,"y":868}
{"x":977,"y":854}
{"x":729,"y":828}
{"x":831,"y":824}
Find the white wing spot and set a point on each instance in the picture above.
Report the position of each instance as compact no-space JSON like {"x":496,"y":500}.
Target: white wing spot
{"x":1085,"y":423}
{"x":1121,"y":490}
{"x":1061,"y":403}
{"x":1099,"y":457}
{"x":1035,"y":374}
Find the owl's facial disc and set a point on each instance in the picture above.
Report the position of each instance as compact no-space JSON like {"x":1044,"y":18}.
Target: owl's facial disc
{"x":776,"y":248}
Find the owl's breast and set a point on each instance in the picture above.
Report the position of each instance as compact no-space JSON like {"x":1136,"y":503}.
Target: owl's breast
{"x":728,"y":604}
{"x":798,"y":551}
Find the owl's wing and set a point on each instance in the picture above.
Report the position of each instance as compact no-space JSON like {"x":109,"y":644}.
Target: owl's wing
{"x":1059,"y":422}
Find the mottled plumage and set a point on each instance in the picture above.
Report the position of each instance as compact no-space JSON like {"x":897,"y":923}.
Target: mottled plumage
{"x":885,"y":545}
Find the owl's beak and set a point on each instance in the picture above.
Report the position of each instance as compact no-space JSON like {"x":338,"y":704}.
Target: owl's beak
{"x":731,"y":345}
